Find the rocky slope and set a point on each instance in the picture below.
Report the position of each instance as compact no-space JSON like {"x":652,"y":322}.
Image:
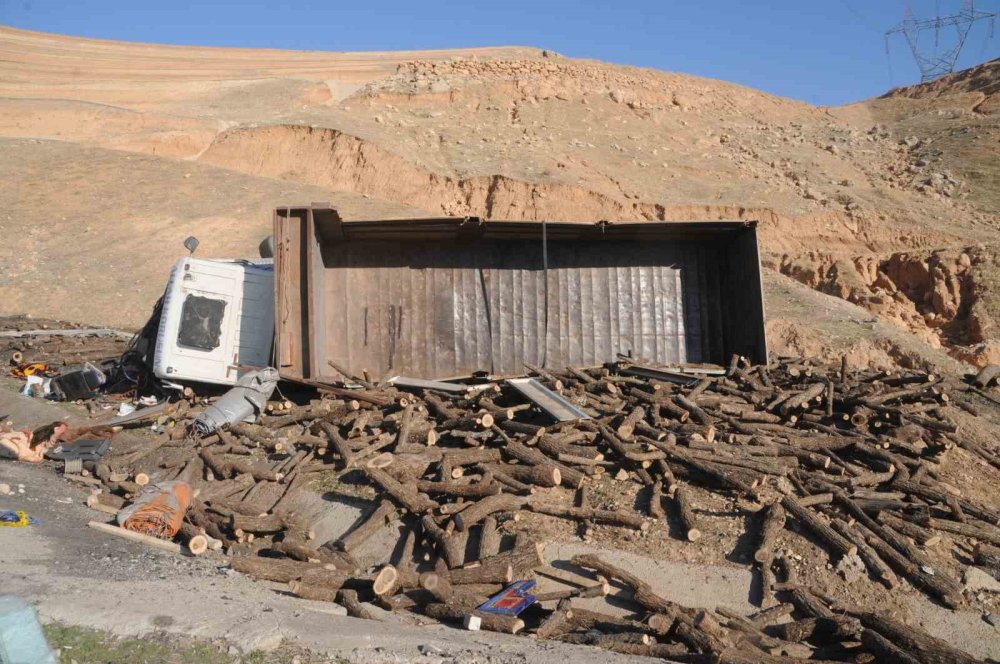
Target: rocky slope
{"x":889,"y":203}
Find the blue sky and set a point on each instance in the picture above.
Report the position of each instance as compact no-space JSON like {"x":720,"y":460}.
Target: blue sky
{"x":828,"y":52}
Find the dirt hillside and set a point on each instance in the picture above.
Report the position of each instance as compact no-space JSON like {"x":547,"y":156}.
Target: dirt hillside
{"x":889,"y":203}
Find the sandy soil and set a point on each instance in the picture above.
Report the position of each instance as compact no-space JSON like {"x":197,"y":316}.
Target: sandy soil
{"x":128,"y":148}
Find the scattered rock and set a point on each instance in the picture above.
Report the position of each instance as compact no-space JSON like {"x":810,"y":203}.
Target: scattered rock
{"x":851,"y":568}
{"x":977,"y":580}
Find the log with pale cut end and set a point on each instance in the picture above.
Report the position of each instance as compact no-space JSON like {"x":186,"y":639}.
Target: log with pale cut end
{"x":556,"y":622}
{"x":382,"y":460}
{"x":878,"y":567}
{"x":569,"y":476}
{"x":105,"y":502}
{"x":546,"y":474}
{"x":987,"y":375}
{"x":686,"y":515}
{"x":627,"y":427}
{"x":389,"y":580}
{"x":492,"y":622}
{"x":438,"y":586}
{"x":774,"y":521}
{"x":643,"y":592}
{"x":197,"y":545}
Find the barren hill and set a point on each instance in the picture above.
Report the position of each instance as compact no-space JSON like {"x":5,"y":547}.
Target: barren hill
{"x":130,"y":147}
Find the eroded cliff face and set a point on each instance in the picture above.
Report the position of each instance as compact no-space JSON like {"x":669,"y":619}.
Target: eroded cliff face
{"x":936,"y":295}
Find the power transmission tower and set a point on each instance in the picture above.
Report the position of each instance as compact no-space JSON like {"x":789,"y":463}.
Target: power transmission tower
{"x":938,"y":62}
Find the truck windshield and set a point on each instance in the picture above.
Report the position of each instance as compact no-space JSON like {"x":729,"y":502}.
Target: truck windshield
{"x":201,"y":322}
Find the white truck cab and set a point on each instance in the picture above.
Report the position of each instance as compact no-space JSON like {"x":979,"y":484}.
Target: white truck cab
{"x":217,"y":321}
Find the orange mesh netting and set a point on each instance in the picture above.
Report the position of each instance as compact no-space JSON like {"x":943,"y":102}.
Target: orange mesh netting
{"x":159,"y":511}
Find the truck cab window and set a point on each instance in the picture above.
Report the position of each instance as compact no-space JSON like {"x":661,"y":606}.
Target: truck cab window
{"x":201,"y":322}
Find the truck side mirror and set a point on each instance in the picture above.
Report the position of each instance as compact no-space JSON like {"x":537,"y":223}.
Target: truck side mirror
{"x":266,"y":247}
{"x":191,"y":243}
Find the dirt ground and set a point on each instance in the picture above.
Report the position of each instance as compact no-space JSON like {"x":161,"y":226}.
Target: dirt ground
{"x":79,"y":577}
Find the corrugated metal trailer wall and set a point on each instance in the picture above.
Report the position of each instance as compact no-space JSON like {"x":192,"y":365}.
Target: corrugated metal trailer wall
{"x":446,"y":297}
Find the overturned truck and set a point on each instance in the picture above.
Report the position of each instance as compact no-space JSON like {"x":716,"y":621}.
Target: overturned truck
{"x":444,"y":297}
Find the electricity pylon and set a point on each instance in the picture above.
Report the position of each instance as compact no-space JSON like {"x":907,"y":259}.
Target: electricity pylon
{"x":939,"y":62}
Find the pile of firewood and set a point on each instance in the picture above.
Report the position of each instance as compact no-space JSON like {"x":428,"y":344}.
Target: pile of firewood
{"x":848,"y":458}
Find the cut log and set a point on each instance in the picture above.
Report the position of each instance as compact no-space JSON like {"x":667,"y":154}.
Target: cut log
{"x":546,"y":474}
{"x":556,"y":622}
{"x":451,"y":546}
{"x":827,"y":535}
{"x":917,"y":643}
{"x":876,"y":566}
{"x":464,"y":490}
{"x":772,"y":524}
{"x":522,"y":561}
{"x":987,"y":375}
{"x":485,"y":507}
{"x":339,"y":443}
{"x":884,"y":649}
{"x":384,"y":514}
{"x":686,"y":515}
{"x":835,"y":628}
{"x":406,"y":496}
{"x":611,"y":517}
{"x":349,"y":600}
{"x":489,"y":538}
{"x":569,"y":476}
{"x":281,"y":570}
{"x":642,"y":591}
{"x":389,"y":580}
{"x":983,"y":533}
{"x":987,"y":556}
{"x":656,"y":501}
{"x":489,"y":621}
